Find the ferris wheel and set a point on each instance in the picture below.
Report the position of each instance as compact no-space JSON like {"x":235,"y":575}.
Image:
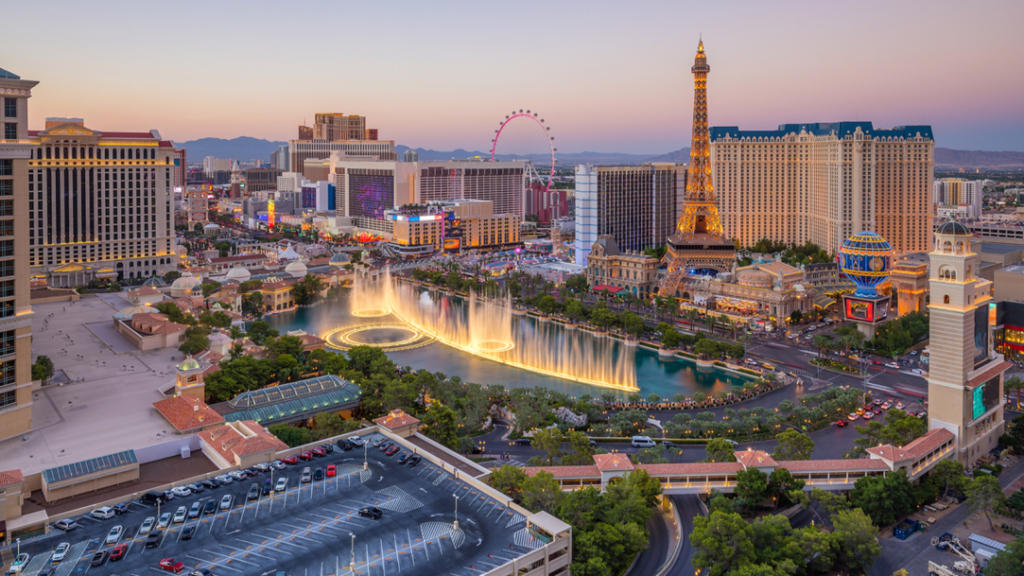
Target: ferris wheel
{"x":523,"y":135}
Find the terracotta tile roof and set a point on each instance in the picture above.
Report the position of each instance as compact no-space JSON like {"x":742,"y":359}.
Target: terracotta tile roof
{"x":11,"y":477}
{"x":239,"y":258}
{"x":186,"y":413}
{"x":774,"y":267}
{"x":396,"y":419}
{"x":612,"y":462}
{"x":988,"y":374}
{"x":312,"y":341}
{"x":837,"y":465}
{"x":229,"y":441}
{"x":262,"y":440}
{"x":145,"y":291}
{"x":318,"y":262}
{"x":275,"y":286}
{"x":886,"y":451}
{"x":155,"y":323}
{"x":709,"y":468}
{"x":755,"y":458}
{"x":916,"y":449}
{"x":565,"y":471}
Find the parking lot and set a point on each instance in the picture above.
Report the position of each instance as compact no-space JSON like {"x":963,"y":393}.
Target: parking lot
{"x":307,"y":530}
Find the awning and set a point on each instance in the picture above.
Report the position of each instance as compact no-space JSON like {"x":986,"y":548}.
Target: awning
{"x":607,"y":288}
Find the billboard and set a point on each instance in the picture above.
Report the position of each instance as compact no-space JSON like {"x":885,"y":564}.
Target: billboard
{"x":981,"y":331}
{"x":864,"y":310}
{"x":371,"y":192}
{"x":984,"y":398}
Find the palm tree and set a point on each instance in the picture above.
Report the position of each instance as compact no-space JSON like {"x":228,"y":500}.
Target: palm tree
{"x":821,"y":342}
{"x":692,"y":316}
{"x":1012,"y":385}
{"x":710,"y":320}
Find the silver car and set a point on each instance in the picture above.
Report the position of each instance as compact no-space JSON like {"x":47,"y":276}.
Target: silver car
{"x":114,"y":535}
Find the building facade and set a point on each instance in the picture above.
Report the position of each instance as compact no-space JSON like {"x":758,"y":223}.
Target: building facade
{"x":16,"y":150}
{"x":100,"y":201}
{"x":259,"y":179}
{"x":634,"y":272}
{"x":957,"y":193}
{"x":965,"y":377}
{"x":825,"y":182}
{"x":451,"y":225}
{"x":636,"y":205}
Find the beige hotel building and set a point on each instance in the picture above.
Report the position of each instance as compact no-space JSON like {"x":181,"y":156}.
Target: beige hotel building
{"x":15,"y":307}
{"x":825,"y":182}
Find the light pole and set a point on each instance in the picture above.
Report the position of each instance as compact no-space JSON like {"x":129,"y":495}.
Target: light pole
{"x":456,"y":496}
{"x":366,"y":464}
{"x":352,"y":563}
{"x":19,"y":543}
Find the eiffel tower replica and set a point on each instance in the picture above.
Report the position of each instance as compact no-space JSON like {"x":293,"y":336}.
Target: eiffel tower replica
{"x":699,"y":242}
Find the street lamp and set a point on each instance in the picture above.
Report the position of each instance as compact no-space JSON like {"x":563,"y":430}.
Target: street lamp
{"x":352,"y":563}
{"x":366,"y":464}
{"x":456,"y":496}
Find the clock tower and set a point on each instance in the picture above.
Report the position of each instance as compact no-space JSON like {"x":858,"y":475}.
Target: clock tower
{"x":965,"y":375}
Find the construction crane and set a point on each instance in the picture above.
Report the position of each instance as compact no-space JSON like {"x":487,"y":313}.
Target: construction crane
{"x":969,"y":564}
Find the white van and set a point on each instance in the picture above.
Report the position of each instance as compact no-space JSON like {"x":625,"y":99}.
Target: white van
{"x":642,"y":442}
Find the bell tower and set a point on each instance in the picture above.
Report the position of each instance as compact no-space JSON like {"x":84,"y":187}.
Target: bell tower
{"x":965,"y":375}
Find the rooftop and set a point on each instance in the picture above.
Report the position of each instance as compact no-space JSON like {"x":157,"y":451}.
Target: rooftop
{"x":187,"y":414}
{"x":396,"y":419}
{"x":287,"y":401}
{"x":9,"y":75}
{"x":841,"y":129}
{"x":91,"y":466}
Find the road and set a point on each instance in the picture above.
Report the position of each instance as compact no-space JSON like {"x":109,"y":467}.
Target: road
{"x":689,"y":508}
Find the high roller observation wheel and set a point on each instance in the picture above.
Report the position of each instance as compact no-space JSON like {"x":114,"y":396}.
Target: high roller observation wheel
{"x":524,"y":136}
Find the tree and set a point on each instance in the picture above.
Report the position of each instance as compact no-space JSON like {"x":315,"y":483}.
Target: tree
{"x":42,"y":368}
{"x":884,"y":499}
{"x":1014,"y":385}
{"x":796,"y":317}
{"x":720,"y":450}
{"x":287,"y":344}
{"x":249,"y":286}
{"x":752,"y":486}
{"x":549,"y":440}
{"x":259,"y":331}
{"x":632,"y":324}
{"x":858,"y":541}
{"x":307,"y":290}
{"x":1008,"y":561}
{"x":541,"y":492}
{"x":793,"y":446}
{"x":781,"y":484}
{"x":439,"y":424}
{"x":574,"y":310}
{"x":509,"y":480}
{"x":577,"y":283}
{"x":173,"y":313}
{"x":986,"y":495}
{"x":601,"y":317}
{"x":1014,"y":437}
{"x":949,"y":475}
{"x":171,"y":276}
{"x":607,"y":549}
{"x":721,"y":542}
{"x":292,"y":435}
{"x":209,"y":288}
{"x":252,"y":304}
{"x":194,"y":344}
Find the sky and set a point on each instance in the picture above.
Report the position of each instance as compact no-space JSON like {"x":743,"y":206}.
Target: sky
{"x":606,"y":76}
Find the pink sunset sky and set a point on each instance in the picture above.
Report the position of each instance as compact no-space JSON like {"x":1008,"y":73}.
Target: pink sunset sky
{"x":607,"y":76}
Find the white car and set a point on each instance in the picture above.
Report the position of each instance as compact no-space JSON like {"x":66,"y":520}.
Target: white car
{"x":282,"y":484}
{"x":181,"y":491}
{"x":19,"y":562}
{"x":180,"y":515}
{"x":225,"y":479}
{"x":892,"y":365}
{"x":147,"y":525}
{"x":165,"y":520}
{"x":238,"y":475}
{"x":278,"y":465}
{"x":225,"y":502}
{"x":103,"y":513}
{"x":60,"y":552}
{"x":114,"y":535}
{"x":357,"y":440}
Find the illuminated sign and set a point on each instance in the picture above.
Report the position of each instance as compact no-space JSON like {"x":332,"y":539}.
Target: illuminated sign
{"x":270,"y":214}
{"x":859,"y":310}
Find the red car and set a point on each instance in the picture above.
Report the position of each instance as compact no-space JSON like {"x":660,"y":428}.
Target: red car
{"x":318,"y":452}
{"x":393,"y":450}
{"x":841,"y":423}
{"x":307,"y":455}
{"x":291,"y":460}
{"x":331,"y":471}
{"x":171,"y":565}
{"x":118,"y":552}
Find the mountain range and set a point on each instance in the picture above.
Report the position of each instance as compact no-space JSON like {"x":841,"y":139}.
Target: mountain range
{"x":247,"y":148}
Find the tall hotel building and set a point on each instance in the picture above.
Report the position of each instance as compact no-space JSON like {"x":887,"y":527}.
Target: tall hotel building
{"x":15,"y":308}
{"x":99,"y":203}
{"x":825,"y":182}
{"x":638,"y":206}
{"x":337,"y":133}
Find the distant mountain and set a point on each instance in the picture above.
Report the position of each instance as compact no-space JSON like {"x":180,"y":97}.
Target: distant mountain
{"x":978,"y":159}
{"x":241,"y":148}
{"x":681,"y":156}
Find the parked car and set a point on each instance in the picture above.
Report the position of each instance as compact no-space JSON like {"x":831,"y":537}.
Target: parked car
{"x":164,"y":521}
{"x":392,"y":450}
{"x":153,"y":539}
{"x":371,"y":512}
{"x":307,"y":475}
{"x":238,"y":475}
{"x":103,"y":513}
{"x":118,"y":552}
{"x":195,"y":509}
{"x":99,"y":557}
{"x":254,"y":492}
{"x":120,"y":507}
{"x":225,"y":479}
{"x":384,"y":445}
{"x":147,"y":525}
{"x":181,"y":491}
{"x":329,"y":448}
{"x":282,"y":484}
{"x":318,"y":452}
{"x":278,"y":465}
{"x":262,"y":467}
{"x":66,"y":525}
{"x":318,"y":474}
{"x":210,"y":508}
{"x":114,"y":535}
{"x":225,"y":502}
{"x":171,"y":565}
{"x":345,"y":445}
{"x":405,"y":456}
{"x":378,"y":441}
{"x":20,"y":562}
{"x":188,"y":532}
{"x":416,"y":458}
{"x":196,"y":488}
{"x":168,"y":495}
{"x":60,"y":552}
{"x":853,"y":416}
{"x":332,"y":471}
{"x":211,"y":484}
{"x":356,"y":440}
{"x":306,"y":456}
{"x":201,"y":572}
{"x":290,"y":460}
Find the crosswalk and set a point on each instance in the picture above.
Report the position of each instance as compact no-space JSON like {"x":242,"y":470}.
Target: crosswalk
{"x":516,"y":519}
{"x":347,"y":469}
{"x":526,"y":540}
{"x":71,"y":560}
{"x":438,"y":530}
{"x":36,"y":565}
{"x":398,"y":500}
{"x":440,"y":478}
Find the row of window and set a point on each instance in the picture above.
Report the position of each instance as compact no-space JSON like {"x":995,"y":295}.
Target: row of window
{"x":65,"y":152}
